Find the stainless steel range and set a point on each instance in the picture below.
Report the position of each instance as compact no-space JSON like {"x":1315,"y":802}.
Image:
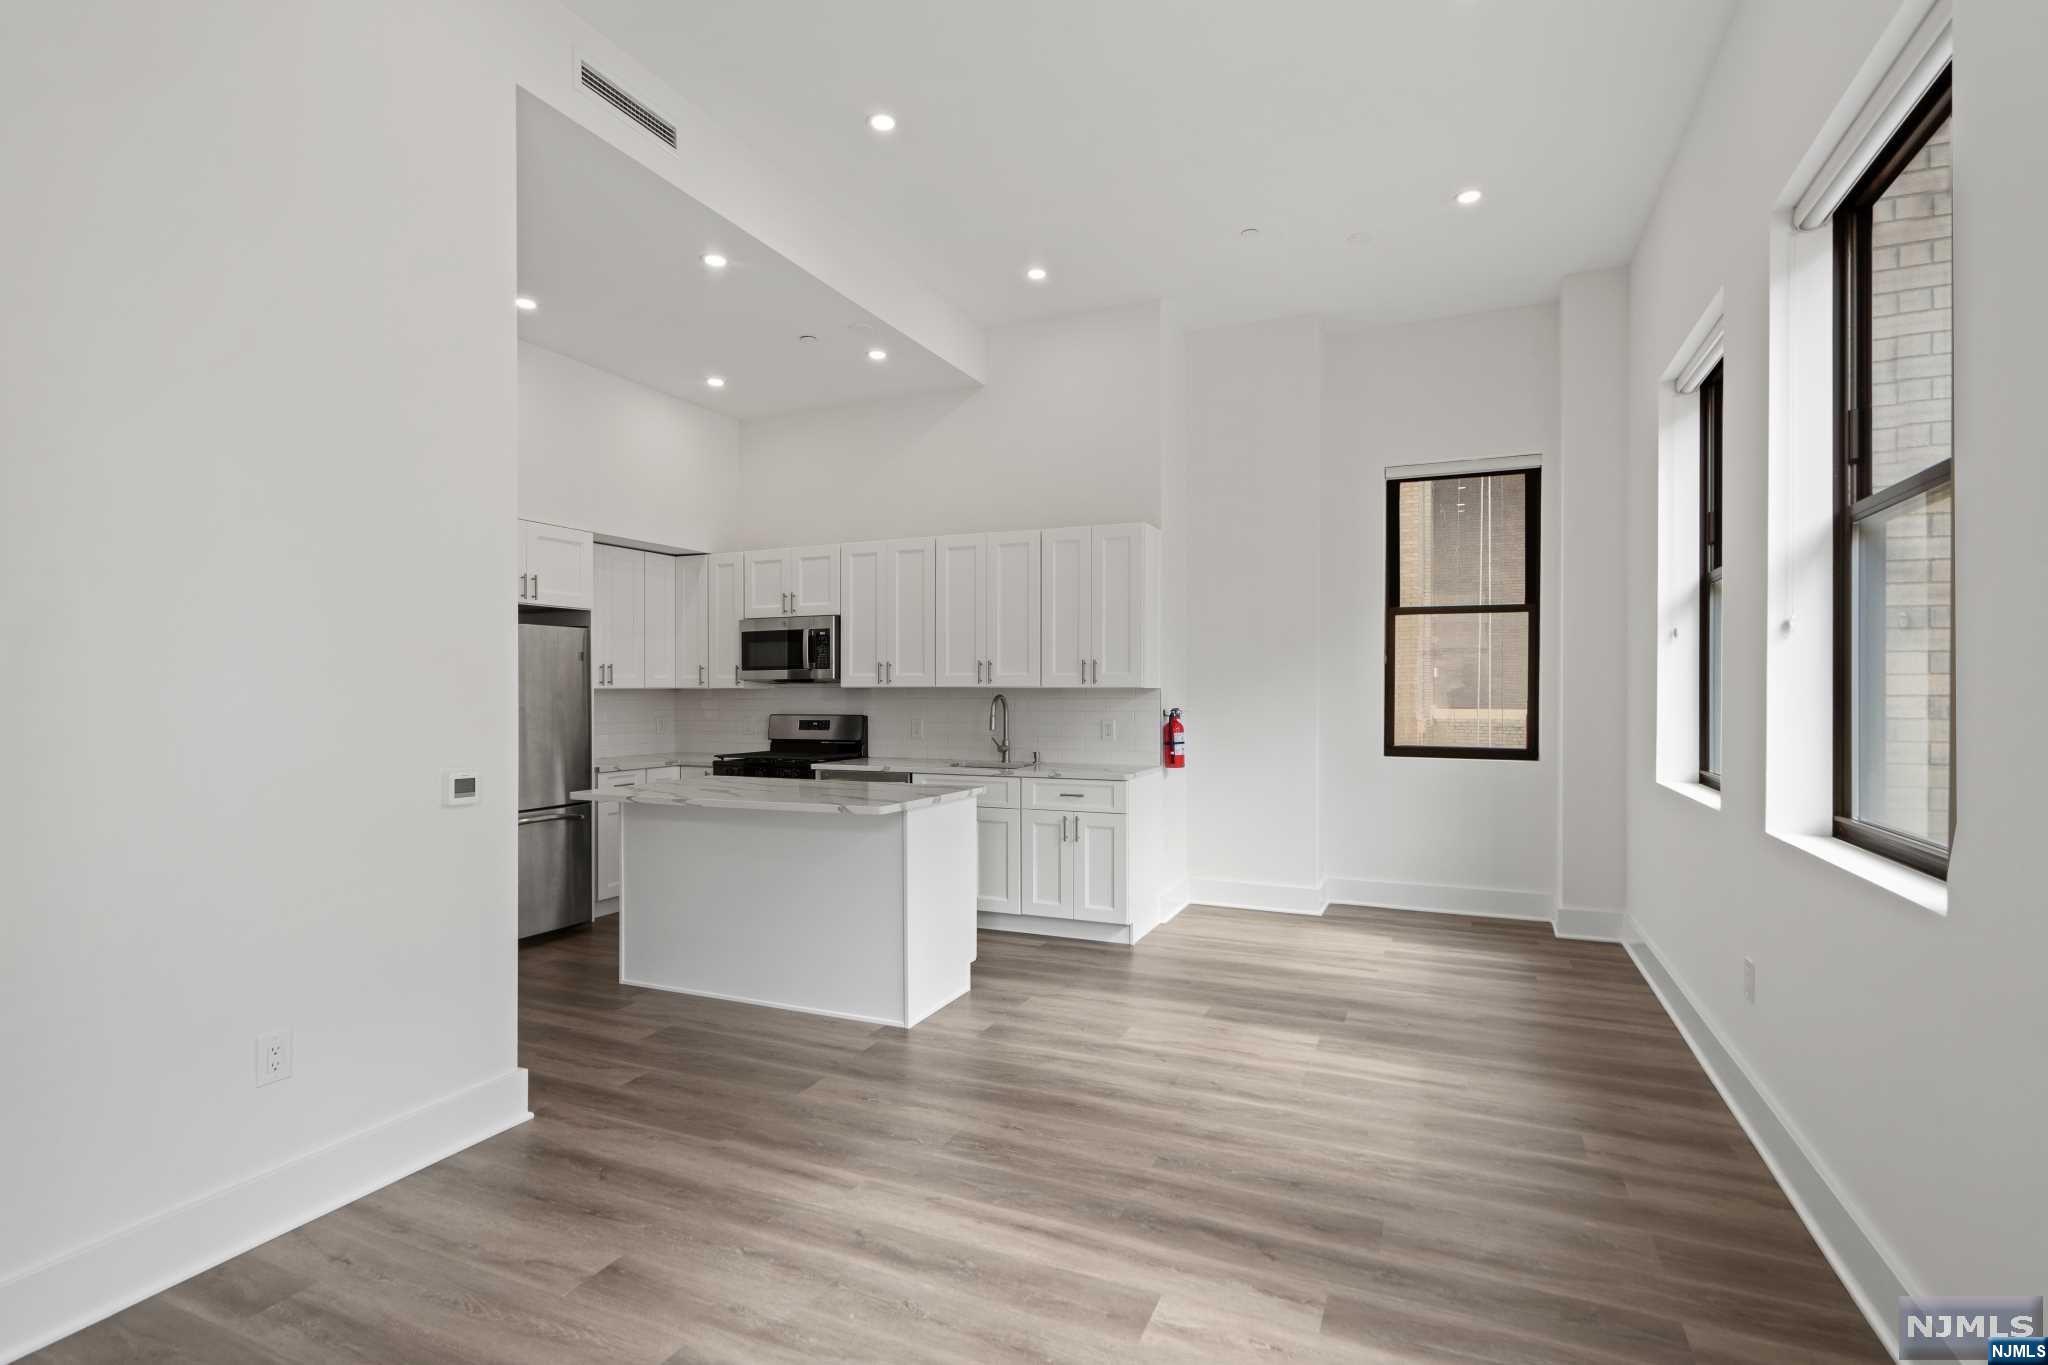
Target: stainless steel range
{"x":795,"y":742}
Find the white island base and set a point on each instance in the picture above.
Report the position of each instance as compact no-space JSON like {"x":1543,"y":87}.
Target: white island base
{"x":854,"y":900}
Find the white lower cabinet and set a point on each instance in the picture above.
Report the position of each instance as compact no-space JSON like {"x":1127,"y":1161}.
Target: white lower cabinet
{"x":999,"y":834}
{"x":1055,"y":849}
{"x":610,"y":819}
{"x":1100,"y":881}
{"x":1047,"y":885}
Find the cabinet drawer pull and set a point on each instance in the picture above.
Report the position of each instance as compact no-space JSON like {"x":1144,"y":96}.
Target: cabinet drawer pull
{"x":1074,"y":796}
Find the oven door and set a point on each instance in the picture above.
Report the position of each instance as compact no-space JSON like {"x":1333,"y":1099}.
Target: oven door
{"x":790,"y":649}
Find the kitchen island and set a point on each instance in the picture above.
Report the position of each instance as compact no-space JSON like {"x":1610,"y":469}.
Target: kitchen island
{"x":845,"y":898}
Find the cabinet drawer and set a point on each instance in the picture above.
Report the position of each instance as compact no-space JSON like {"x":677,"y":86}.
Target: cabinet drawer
{"x":611,"y":782}
{"x":662,"y":774}
{"x":997,"y":793}
{"x":1052,"y":794}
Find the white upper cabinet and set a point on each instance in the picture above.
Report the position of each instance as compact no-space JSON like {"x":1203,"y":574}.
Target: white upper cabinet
{"x":1123,"y":607}
{"x":799,"y":582}
{"x":957,"y":598}
{"x":1010,"y":610}
{"x":985,"y":612}
{"x":693,"y":665}
{"x":660,"y":615}
{"x":886,"y":590}
{"x":861,"y":570}
{"x":1068,"y":557}
{"x":723,"y":575}
{"x":909,"y":582}
{"x":556,"y":566}
{"x":1078,"y":606}
{"x":1101,"y":611}
{"x":814,"y":580}
{"x":618,"y":621}
{"x":767,"y":590}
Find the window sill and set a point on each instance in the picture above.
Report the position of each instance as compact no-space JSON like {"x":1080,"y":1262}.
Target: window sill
{"x":1693,"y":791}
{"x":1929,"y":893}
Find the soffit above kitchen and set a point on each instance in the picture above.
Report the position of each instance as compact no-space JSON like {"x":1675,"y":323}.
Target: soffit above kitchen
{"x":612,"y":257}
{"x":1124,"y":147}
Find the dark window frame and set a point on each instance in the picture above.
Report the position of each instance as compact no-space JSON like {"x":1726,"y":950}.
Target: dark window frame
{"x":1854,"y":500}
{"x":1532,"y":589}
{"x":1711,"y":521}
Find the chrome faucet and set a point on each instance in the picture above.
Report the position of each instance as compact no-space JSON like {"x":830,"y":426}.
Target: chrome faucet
{"x":1001,"y":737}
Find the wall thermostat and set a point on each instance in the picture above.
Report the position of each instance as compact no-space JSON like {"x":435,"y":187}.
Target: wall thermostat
{"x":458,"y":788}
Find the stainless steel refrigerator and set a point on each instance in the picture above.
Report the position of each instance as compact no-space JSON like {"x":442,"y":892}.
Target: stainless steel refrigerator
{"x":555,"y":833}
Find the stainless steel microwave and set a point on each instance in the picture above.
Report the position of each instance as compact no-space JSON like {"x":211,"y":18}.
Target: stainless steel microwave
{"x":789,"y":649}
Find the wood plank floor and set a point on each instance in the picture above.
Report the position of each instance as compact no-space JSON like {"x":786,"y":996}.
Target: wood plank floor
{"x":1370,"y":1136}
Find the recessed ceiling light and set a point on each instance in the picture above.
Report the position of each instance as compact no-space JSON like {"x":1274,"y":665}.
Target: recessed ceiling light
{"x":878,"y":355}
{"x":1247,"y":232}
{"x":524,"y":304}
{"x":1036,"y":274}
{"x":807,"y":337}
{"x":713,"y":261}
{"x":714,"y":381}
{"x":1469,"y":197}
{"x":882,"y":122}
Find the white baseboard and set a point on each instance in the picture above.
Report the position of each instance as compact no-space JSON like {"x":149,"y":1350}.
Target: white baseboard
{"x":1597,"y":926}
{"x":1089,"y":930}
{"x":1490,"y":902}
{"x":50,"y":1301}
{"x":1172,"y":901}
{"x":1276,"y":896}
{"x":1859,"y":1257}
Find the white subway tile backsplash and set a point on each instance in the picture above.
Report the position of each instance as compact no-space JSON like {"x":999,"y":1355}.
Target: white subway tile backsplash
{"x":632,"y":722}
{"x":1060,"y":724}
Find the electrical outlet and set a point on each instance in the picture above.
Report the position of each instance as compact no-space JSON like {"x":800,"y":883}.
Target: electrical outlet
{"x":917,"y":727}
{"x":273,"y":1056}
{"x":1109,"y":729}
{"x":1749,"y":979}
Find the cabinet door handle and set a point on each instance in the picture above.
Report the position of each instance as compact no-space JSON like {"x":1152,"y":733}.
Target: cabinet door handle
{"x":536,"y":587}
{"x":700,"y":675}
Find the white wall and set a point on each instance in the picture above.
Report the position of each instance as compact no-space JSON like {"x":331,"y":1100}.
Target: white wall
{"x":258,"y":528}
{"x":616,"y":458}
{"x":259,"y":434}
{"x":1066,"y":432}
{"x":1588,"y":632}
{"x":1901,"y":1048}
{"x":1175,"y":540}
{"x":1439,"y":830}
{"x":1254,"y":494}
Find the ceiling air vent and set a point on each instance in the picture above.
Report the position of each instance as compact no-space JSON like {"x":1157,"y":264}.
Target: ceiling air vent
{"x":627,"y":105}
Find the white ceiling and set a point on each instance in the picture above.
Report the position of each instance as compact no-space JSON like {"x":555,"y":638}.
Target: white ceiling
{"x":1124,"y":143}
{"x":613,"y":254}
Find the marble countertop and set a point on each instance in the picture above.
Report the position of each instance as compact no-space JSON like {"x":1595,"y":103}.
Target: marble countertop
{"x":789,"y":795}
{"x":1073,"y":772}
{"x":631,"y":762}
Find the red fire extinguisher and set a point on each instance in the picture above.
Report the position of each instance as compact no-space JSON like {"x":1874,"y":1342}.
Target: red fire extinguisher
{"x":1176,"y":740}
